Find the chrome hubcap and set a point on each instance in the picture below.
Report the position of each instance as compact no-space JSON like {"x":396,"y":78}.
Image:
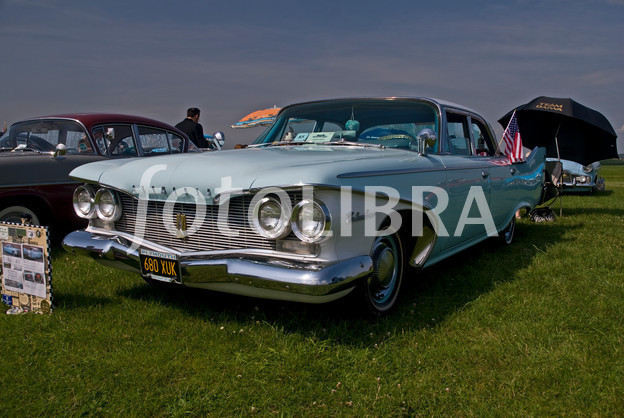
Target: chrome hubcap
{"x":385,"y":269}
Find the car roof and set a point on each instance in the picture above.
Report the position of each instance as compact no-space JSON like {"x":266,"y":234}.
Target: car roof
{"x":434,"y":101}
{"x":91,"y":119}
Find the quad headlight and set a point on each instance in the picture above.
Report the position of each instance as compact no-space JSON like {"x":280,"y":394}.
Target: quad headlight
{"x":271,"y":219}
{"x":107,"y":205}
{"x":84,"y":202}
{"x":90,"y":205}
{"x":310,"y":221}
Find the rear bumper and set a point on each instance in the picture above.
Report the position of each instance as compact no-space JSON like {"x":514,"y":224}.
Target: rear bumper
{"x":235,"y":273}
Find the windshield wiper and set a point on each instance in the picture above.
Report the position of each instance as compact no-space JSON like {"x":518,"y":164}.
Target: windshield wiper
{"x":278,"y":143}
{"x":353,"y":144}
{"x":330,"y":143}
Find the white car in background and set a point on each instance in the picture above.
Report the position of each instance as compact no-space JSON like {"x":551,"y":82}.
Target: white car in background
{"x":577,"y":177}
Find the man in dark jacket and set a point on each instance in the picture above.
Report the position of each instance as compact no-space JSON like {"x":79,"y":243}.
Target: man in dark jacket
{"x":192,"y":128}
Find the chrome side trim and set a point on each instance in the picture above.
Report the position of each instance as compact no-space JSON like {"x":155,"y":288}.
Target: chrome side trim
{"x":356,"y":174}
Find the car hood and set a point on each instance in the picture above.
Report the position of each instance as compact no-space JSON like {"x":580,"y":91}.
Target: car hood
{"x":214,"y":173}
{"x":19,"y":169}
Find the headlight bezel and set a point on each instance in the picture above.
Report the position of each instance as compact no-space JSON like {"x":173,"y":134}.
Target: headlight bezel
{"x":322,"y":210}
{"x":91,"y":213}
{"x":283,"y":228}
{"x":107,"y":215}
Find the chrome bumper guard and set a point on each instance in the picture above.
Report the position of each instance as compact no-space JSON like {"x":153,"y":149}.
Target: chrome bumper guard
{"x":286,"y":280}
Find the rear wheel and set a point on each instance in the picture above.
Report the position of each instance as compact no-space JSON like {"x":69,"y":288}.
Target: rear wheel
{"x":381,"y":289}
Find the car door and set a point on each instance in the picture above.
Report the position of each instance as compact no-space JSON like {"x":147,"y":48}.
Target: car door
{"x":467,"y":216}
{"x":502,"y":186}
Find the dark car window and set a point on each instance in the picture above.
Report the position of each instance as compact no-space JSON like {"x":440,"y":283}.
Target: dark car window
{"x":481,"y":139}
{"x":176,"y":143}
{"x":157,"y":141}
{"x":115,"y":140}
{"x":458,"y":137}
{"x":100,"y":142}
{"x":153,"y":141}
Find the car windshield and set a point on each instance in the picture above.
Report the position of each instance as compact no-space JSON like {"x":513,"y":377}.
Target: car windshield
{"x":45,"y":135}
{"x":391,"y":123}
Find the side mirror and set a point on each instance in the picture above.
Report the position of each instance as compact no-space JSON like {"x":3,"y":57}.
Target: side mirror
{"x":60,"y":151}
{"x":425,"y":138}
{"x":220,"y":138}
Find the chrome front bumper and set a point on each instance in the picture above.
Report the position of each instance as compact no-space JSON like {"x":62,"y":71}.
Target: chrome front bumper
{"x":236,"y":273}
{"x":579,"y":186}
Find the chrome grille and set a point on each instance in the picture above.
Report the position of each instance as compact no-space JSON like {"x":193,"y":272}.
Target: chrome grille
{"x":207,"y":238}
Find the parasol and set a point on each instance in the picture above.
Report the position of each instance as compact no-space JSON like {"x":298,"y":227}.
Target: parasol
{"x":567,"y":129}
{"x":262,"y":117}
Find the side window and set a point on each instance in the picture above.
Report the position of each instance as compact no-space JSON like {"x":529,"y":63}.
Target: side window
{"x":98,"y":138}
{"x":481,"y":139}
{"x":458,"y":136}
{"x":176,"y":143}
{"x":117,"y":140}
{"x":154,"y":141}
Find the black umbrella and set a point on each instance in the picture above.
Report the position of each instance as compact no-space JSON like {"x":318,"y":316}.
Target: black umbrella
{"x":566,"y":128}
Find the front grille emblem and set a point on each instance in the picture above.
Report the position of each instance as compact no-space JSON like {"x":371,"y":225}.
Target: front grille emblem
{"x":181,"y":225}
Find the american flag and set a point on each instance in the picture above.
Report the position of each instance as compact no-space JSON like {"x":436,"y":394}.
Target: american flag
{"x":513,"y":141}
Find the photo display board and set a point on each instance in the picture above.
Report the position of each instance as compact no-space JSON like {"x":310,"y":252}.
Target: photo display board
{"x":25,"y":268}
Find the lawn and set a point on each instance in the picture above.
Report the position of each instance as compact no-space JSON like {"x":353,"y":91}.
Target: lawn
{"x":535,"y":328}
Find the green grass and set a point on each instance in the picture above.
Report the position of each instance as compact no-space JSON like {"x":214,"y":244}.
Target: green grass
{"x":535,"y":328}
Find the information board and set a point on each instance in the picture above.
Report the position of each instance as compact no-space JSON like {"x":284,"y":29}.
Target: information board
{"x":25,"y":268}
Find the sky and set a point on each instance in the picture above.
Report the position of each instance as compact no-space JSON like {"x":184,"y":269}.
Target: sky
{"x":232,"y":57}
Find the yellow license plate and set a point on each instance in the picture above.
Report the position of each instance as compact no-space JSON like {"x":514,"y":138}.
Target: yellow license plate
{"x":159,"y":265}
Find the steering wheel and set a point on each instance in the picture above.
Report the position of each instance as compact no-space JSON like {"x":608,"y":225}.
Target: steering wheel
{"x":397,"y":136}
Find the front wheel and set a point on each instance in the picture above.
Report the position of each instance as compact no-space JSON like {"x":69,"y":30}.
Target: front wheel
{"x":381,"y":289}
{"x":16,"y":213}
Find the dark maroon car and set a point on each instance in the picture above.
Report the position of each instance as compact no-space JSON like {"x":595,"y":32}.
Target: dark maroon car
{"x":36,"y":156}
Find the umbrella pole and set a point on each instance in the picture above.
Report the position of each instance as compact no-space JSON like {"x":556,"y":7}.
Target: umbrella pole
{"x":559,"y":159}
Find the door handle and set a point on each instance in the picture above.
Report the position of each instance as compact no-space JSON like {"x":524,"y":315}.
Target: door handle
{"x":485,"y":174}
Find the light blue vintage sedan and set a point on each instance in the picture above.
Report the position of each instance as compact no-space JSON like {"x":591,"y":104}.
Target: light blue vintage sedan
{"x":577,"y":177}
{"x":336,"y":196}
